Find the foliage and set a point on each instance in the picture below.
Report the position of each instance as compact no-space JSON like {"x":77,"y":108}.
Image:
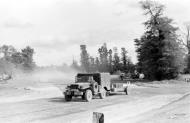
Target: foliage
{"x":108,"y":60}
{"x":116,"y":60}
{"x":103,"y":52}
{"x":11,"y":59}
{"x":185,"y":44}
{"x":27,"y":58}
{"x":84,"y":59}
{"x":158,"y":51}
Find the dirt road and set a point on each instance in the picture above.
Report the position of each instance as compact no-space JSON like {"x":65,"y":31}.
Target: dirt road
{"x":137,"y":106}
{"x":175,"y":112}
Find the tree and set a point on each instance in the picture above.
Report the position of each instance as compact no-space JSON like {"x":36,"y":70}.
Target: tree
{"x":187,"y":40}
{"x":27,"y":57}
{"x":6,"y":65}
{"x":158,"y":49}
{"x":103,"y":52}
{"x":116,"y":60}
{"x":7,"y":51}
{"x":97,"y":64}
{"x":110,"y":61}
{"x":92,"y":64}
{"x":124,"y":57}
{"x":185,"y":43}
{"x":84,"y":58}
{"x":16,"y":58}
{"x":127,"y":65}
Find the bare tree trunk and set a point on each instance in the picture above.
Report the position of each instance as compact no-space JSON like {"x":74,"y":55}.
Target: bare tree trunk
{"x":98,"y":117}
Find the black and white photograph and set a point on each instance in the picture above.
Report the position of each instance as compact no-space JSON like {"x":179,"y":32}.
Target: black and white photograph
{"x":94,"y":61}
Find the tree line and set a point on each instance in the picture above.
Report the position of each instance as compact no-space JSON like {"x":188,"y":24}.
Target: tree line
{"x":161,"y":52}
{"x":11,"y":59}
{"x":108,"y":60}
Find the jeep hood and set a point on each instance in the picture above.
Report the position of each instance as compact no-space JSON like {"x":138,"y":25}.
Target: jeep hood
{"x":82,"y":84}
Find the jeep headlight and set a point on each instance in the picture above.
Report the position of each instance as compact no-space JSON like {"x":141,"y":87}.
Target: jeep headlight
{"x":81,"y":87}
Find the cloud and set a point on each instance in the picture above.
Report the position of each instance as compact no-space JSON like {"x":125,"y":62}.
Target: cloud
{"x":123,"y":7}
{"x":14,"y":23}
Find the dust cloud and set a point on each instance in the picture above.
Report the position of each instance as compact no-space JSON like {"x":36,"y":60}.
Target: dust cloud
{"x":44,"y":77}
{"x":54,"y":76}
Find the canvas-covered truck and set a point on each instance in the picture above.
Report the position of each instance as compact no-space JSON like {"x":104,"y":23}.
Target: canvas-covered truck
{"x":88,"y":85}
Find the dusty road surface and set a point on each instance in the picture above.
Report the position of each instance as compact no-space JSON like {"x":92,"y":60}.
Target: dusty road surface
{"x":151,"y":102}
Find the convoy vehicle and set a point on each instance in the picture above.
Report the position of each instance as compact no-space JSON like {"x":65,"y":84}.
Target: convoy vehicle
{"x":88,"y":85}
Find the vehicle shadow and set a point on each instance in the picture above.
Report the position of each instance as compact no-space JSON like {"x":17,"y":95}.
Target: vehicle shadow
{"x":62,"y":100}
{"x":78,"y":99}
{"x":57,"y":99}
{"x":116,"y":93}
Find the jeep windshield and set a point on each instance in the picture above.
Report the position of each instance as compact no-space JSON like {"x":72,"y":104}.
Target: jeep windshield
{"x":83,"y":79}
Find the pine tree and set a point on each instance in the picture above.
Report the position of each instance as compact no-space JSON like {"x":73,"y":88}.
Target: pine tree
{"x":124,"y":58}
{"x":116,"y":60}
{"x":103,"y":52}
{"x":92,"y":66}
{"x":110,"y":61}
{"x":84,"y":59}
{"x":158,"y":49}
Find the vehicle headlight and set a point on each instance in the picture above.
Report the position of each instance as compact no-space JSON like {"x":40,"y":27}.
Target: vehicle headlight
{"x":81,"y":87}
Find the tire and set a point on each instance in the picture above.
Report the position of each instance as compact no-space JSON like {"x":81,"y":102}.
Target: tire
{"x":103,"y":94}
{"x":88,"y":95}
{"x":126,"y":92}
{"x":68,"y":97}
{"x":95,"y":87}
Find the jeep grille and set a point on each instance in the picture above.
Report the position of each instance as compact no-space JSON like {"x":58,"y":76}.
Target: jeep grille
{"x":74,"y":86}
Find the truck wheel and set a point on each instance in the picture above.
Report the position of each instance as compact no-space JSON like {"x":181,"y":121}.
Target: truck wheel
{"x":103,"y":94}
{"x":88,"y":95}
{"x":126,"y":92}
{"x":68,"y":97}
{"x":95,"y":87}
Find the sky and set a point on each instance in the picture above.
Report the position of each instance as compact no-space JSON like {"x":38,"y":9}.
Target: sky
{"x":57,"y":28}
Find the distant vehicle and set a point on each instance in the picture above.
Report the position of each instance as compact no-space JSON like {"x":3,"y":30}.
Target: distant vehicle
{"x":88,"y":85}
{"x":5,"y":77}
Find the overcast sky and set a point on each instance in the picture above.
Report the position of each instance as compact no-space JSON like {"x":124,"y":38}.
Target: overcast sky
{"x":56,"y":28}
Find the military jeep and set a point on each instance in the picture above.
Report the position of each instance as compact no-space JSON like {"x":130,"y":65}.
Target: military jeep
{"x":88,"y":85}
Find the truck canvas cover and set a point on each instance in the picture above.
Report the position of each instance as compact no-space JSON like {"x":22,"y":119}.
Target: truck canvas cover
{"x":101,"y":78}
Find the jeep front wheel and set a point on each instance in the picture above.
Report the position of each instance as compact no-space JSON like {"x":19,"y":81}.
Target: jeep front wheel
{"x":88,"y":95}
{"x":68,"y":97}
